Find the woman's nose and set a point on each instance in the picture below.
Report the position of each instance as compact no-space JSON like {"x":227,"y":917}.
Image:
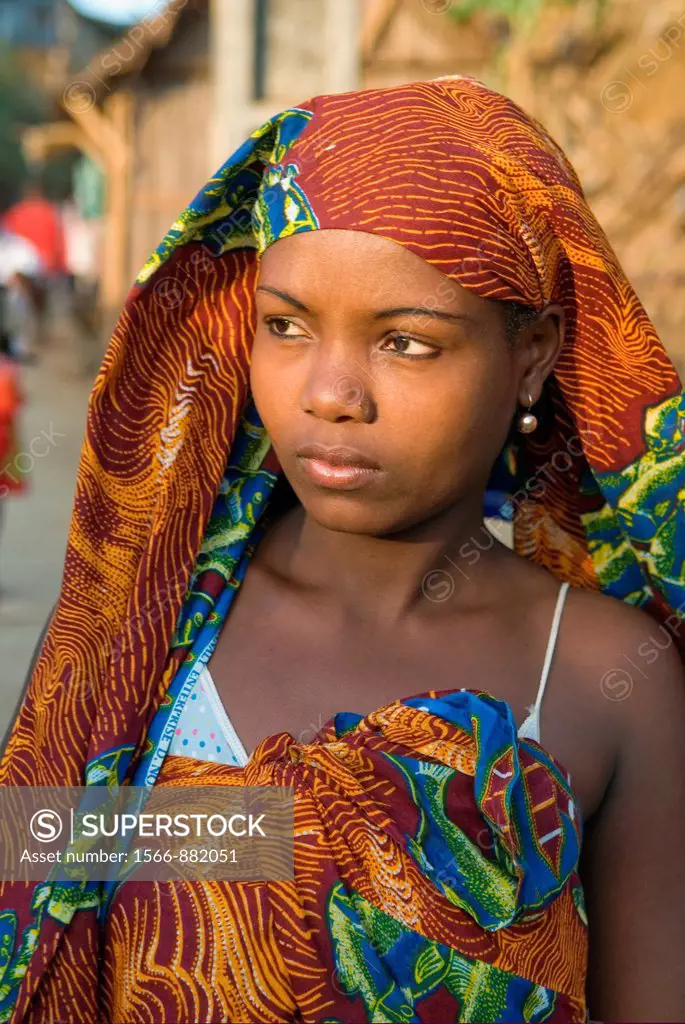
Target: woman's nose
{"x":337,"y":395}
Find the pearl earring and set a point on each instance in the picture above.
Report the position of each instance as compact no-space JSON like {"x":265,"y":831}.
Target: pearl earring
{"x":527,"y":421}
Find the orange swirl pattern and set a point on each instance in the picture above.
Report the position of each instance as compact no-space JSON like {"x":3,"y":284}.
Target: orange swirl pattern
{"x":249,"y":951}
{"x":145,"y":489}
{"x":462,"y":177}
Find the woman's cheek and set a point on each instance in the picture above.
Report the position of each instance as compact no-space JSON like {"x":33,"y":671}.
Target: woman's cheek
{"x":270,"y":387}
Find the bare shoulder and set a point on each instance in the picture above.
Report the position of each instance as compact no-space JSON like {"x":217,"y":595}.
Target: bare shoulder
{"x":632,"y":849}
{"x":627,"y":662}
{"x":617,"y":697}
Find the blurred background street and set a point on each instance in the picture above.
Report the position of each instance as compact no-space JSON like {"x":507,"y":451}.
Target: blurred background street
{"x":113,"y":113}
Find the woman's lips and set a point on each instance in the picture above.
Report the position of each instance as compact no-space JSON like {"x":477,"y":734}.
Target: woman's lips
{"x":339,"y":468}
{"x":344,"y":478}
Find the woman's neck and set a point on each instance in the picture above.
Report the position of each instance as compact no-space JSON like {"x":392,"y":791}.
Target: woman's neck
{"x":386,"y":579}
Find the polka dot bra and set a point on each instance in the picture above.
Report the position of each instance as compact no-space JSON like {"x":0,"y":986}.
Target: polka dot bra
{"x":204,"y":730}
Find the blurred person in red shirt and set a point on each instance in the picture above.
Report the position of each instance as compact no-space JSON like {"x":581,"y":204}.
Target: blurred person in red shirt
{"x":39,"y":221}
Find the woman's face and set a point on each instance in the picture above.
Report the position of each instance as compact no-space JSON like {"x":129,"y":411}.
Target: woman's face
{"x":363,"y":347}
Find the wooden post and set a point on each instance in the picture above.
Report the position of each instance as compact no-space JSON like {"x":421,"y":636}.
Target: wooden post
{"x":109,"y":133}
{"x":116,"y":272}
{"x":341,"y":49}
{"x":232,"y":38}
{"x":376,"y":19}
{"x":40,"y":139}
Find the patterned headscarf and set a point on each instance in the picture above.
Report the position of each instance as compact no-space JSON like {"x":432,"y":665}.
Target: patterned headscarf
{"x":458,"y":175}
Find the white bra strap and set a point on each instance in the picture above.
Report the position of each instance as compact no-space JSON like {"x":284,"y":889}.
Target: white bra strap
{"x":551,"y":644}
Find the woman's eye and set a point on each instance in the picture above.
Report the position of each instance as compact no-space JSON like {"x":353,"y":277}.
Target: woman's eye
{"x":283,"y":328}
{"x":404,"y":345}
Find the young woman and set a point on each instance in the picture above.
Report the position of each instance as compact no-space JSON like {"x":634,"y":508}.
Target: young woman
{"x":380,"y":296}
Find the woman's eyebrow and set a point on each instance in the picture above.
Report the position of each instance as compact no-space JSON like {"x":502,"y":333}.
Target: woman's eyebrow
{"x":381,"y":314}
{"x":286,"y":298}
{"x":421,"y":311}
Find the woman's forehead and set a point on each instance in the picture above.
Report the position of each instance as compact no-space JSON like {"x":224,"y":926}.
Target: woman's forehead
{"x":343,"y":266}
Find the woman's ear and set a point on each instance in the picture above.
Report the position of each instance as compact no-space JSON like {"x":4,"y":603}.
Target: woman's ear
{"x":540,"y":343}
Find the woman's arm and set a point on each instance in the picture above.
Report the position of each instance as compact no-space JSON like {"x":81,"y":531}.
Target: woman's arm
{"x":634,"y":857}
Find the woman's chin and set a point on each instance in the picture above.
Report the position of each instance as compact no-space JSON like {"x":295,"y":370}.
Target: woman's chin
{"x":346,"y":515}
{"x":343,"y":518}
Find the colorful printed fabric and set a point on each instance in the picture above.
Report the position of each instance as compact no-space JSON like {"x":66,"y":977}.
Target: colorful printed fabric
{"x":163,"y":530}
{"x":435,"y":880}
